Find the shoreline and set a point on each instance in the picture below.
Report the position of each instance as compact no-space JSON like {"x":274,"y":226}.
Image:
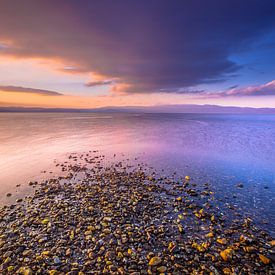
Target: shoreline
{"x":126,"y":220}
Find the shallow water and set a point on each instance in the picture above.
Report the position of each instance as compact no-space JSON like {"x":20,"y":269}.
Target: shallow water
{"x":223,"y":150}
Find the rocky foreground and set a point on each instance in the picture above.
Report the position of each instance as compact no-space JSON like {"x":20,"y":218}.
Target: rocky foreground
{"x":114,"y":219}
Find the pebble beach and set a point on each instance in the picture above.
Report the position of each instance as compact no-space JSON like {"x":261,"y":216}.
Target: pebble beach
{"x":102,"y":218}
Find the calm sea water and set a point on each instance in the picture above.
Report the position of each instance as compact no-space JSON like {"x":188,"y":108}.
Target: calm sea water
{"x":223,"y":150}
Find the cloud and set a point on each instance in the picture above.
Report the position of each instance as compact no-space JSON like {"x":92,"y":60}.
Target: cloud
{"x":267,"y":89}
{"x":233,"y":87}
{"x":99,"y":83}
{"x":3,"y":46}
{"x":150,"y":46}
{"x":72,"y":70}
{"x":187,"y":91}
{"x":17,"y":89}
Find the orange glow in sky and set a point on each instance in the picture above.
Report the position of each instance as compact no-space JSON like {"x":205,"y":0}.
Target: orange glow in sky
{"x":52,"y":75}
{"x":87,"y":56}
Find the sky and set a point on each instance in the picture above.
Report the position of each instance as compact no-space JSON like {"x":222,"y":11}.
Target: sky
{"x":87,"y":54}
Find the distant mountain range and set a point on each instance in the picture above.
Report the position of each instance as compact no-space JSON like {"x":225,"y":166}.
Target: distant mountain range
{"x":178,"y":108}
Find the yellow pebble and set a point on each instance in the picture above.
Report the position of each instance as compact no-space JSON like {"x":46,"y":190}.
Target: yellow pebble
{"x":221,"y":241}
{"x":249,"y":249}
{"x":227,"y":271}
{"x":25,"y":271}
{"x":10,"y":268}
{"x":210,"y":235}
{"x":45,"y":221}
{"x":181,"y":230}
{"x":155,"y":261}
{"x":45,"y":253}
{"x":171,"y":246}
{"x":226,"y":254}
{"x":120,"y":255}
{"x":7,"y":260}
{"x":264,"y":259}
{"x":162,"y":269}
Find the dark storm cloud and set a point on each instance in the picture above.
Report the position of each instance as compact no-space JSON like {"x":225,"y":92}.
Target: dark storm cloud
{"x":150,"y":45}
{"x":17,"y":89}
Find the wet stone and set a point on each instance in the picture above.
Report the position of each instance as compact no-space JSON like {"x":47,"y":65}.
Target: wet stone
{"x":114,"y":218}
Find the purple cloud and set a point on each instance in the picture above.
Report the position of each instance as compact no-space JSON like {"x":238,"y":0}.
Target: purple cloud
{"x":149,"y":46}
{"x":18,"y":89}
{"x":260,"y":90}
{"x":99,"y":83}
{"x":267,"y":89}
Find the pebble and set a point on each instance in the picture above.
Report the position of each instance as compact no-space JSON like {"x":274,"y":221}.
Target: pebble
{"x":120,"y":219}
{"x":155,"y":261}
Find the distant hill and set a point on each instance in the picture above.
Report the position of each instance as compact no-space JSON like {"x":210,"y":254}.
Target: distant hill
{"x":188,"y":108}
{"x":178,"y":108}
